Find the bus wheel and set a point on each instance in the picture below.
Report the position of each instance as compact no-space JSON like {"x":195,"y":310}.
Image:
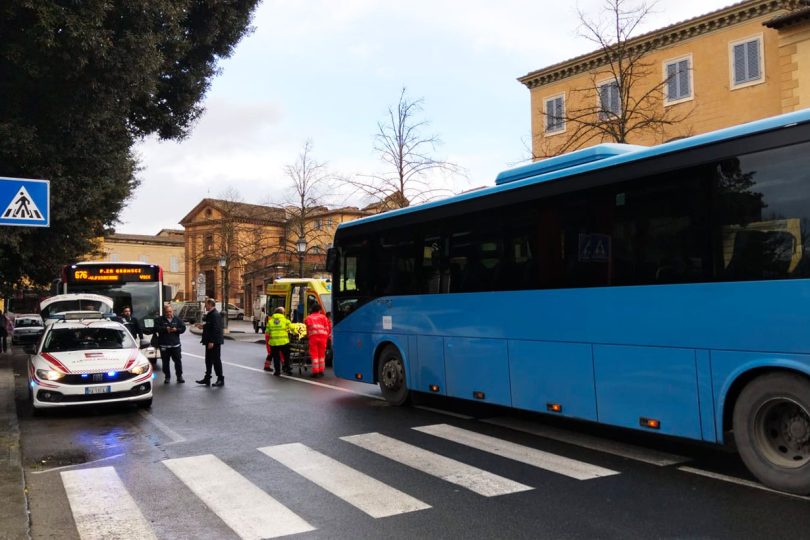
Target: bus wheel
{"x":772,"y":430}
{"x":391,"y":374}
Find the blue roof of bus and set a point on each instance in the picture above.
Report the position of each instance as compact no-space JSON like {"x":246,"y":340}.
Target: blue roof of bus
{"x":578,"y":167}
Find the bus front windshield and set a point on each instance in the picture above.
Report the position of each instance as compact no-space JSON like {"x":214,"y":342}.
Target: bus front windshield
{"x":143,"y":298}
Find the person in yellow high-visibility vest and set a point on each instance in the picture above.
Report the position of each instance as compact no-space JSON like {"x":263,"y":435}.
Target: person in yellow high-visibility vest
{"x":278,"y":330}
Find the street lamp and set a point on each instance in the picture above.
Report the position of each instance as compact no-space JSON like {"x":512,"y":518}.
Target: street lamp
{"x":301,"y":246}
{"x":223,"y":264}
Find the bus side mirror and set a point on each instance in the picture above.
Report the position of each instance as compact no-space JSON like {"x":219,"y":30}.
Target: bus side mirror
{"x":167,"y":293}
{"x":331,"y":258}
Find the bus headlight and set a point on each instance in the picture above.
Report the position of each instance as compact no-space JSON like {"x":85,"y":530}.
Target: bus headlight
{"x":49,"y":374}
{"x":137,"y":370}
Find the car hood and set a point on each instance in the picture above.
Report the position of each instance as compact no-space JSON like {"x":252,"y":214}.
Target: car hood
{"x":93,"y":361}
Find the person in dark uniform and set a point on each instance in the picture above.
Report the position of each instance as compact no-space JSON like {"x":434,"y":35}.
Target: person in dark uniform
{"x":212,"y":339}
{"x":168,"y":328}
{"x":131,"y":322}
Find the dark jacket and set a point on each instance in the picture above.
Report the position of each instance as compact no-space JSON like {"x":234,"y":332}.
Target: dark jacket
{"x":166,"y":339}
{"x":212,"y":328}
{"x":134,"y":326}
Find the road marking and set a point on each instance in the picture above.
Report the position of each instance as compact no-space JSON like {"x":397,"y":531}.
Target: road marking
{"x":629,"y":451}
{"x":169,"y":432}
{"x":524,"y":454}
{"x":63,"y":467}
{"x":442,"y":411}
{"x":249,"y":511}
{"x":360,"y":490}
{"x":455,"y":472}
{"x":740,"y":481}
{"x":102,"y":507}
{"x":297,"y":379}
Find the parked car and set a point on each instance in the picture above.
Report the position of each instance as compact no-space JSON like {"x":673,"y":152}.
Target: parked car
{"x":28,"y":328}
{"x":85,"y":359}
{"x":189,"y":312}
{"x":234,"y":312}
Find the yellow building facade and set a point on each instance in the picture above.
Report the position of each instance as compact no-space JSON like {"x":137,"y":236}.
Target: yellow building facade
{"x":165,"y":249}
{"x":748,"y":61}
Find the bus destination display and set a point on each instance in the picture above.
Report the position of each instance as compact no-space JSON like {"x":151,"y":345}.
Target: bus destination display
{"x":115,"y":274}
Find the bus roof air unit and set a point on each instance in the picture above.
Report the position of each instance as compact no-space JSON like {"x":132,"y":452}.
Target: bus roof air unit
{"x":566,"y":161}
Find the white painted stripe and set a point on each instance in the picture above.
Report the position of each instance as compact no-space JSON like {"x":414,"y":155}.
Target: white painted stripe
{"x":442,"y":411}
{"x":249,"y":511}
{"x":86,"y":463}
{"x":360,"y":490}
{"x":629,"y":451}
{"x":740,"y":481}
{"x":298,"y":379}
{"x":102,"y":507}
{"x":524,"y":454}
{"x":169,"y":432}
{"x":455,"y":472}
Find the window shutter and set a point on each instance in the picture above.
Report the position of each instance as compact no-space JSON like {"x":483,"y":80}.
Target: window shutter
{"x":683,"y":79}
{"x":739,"y":63}
{"x":672,"y":82}
{"x":614,"y":98}
{"x":753,"y":60}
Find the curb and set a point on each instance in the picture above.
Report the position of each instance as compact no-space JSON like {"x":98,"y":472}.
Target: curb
{"x":14,"y":510}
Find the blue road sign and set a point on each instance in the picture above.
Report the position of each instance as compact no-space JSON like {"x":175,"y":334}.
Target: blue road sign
{"x":25,"y":203}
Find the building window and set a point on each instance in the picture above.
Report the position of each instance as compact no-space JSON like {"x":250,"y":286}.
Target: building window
{"x":555,"y":114}
{"x":208,"y":242}
{"x":143,"y":258}
{"x":746,"y":61}
{"x":318,"y":224}
{"x":678,"y":77}
{"x":329,"y":223}
{"x":609,"y":103}
{"x":174,"y":264}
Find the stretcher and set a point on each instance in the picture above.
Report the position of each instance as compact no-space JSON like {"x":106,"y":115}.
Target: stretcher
{"x":299,"y":354}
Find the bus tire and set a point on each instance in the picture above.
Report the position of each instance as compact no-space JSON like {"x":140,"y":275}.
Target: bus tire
{"x":391,"y":376}
{"x":772,"y":430}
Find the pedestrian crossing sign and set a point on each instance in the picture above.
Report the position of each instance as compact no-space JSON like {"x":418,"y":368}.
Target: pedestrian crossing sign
{"x":25,"y":203}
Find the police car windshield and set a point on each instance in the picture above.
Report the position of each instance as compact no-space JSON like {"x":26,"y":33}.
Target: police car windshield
{"x":77,"y":339}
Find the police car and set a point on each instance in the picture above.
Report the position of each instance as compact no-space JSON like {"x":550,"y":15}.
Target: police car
{"x":84,"y":358}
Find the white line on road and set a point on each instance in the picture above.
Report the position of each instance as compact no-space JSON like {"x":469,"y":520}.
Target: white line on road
{"x":297,"y":379}
{"x":450,"y":470}
{"x":249,"y":511}
{"x":524,"y":454}
{"x":360,"y":490}
{"x":169,"y":432}
{"x":629,"y":451}
{"x":102,"y":507}
{"x":63,"y":467}
{"x":739,"y":481}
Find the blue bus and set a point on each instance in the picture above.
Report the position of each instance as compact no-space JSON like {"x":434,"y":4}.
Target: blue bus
{"x":664,"y":289}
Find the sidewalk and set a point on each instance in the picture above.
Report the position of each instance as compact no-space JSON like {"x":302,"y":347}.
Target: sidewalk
{"x":14,"y":507}
{"x":236,"y":331}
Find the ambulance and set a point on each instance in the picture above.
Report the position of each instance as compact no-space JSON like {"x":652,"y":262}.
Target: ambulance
{"x":297,"y":296}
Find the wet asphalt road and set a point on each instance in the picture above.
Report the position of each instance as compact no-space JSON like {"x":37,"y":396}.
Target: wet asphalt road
{"x":223,"y":428}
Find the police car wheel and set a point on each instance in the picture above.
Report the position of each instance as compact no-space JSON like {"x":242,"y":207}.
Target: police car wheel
{"x":391,"y":376}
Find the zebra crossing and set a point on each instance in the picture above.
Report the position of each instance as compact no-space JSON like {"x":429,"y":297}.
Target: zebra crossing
{"x":103,"y":508}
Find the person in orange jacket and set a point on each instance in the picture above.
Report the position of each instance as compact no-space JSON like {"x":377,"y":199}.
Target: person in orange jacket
{"x":318,"y":330}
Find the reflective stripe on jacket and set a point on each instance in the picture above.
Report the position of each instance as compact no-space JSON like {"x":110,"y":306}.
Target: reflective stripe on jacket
{"x":317,"y":325}
{"x":278,"y":327}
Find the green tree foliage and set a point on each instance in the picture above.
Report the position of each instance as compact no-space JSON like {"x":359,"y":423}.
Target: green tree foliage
{"x":82,"y":81}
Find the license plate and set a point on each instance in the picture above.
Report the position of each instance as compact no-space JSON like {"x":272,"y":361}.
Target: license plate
{"x":97,"y":390}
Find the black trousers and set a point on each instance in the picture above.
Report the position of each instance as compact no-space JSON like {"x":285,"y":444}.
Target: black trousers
{"x":171,"y":353}
{"x":212,"y":359}
{"x":277,"y":352}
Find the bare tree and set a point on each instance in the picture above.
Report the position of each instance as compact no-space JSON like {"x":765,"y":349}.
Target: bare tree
{"x":311,"y":181}
{"x":621,"y":100}
{"x":409,"y":155}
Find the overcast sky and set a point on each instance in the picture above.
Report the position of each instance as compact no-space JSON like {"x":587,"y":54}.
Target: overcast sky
{"x":329,"y":70}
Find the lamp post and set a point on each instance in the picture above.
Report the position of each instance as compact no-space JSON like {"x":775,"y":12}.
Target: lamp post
{"x":223,"y":264}
{"x":301,"y":246}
